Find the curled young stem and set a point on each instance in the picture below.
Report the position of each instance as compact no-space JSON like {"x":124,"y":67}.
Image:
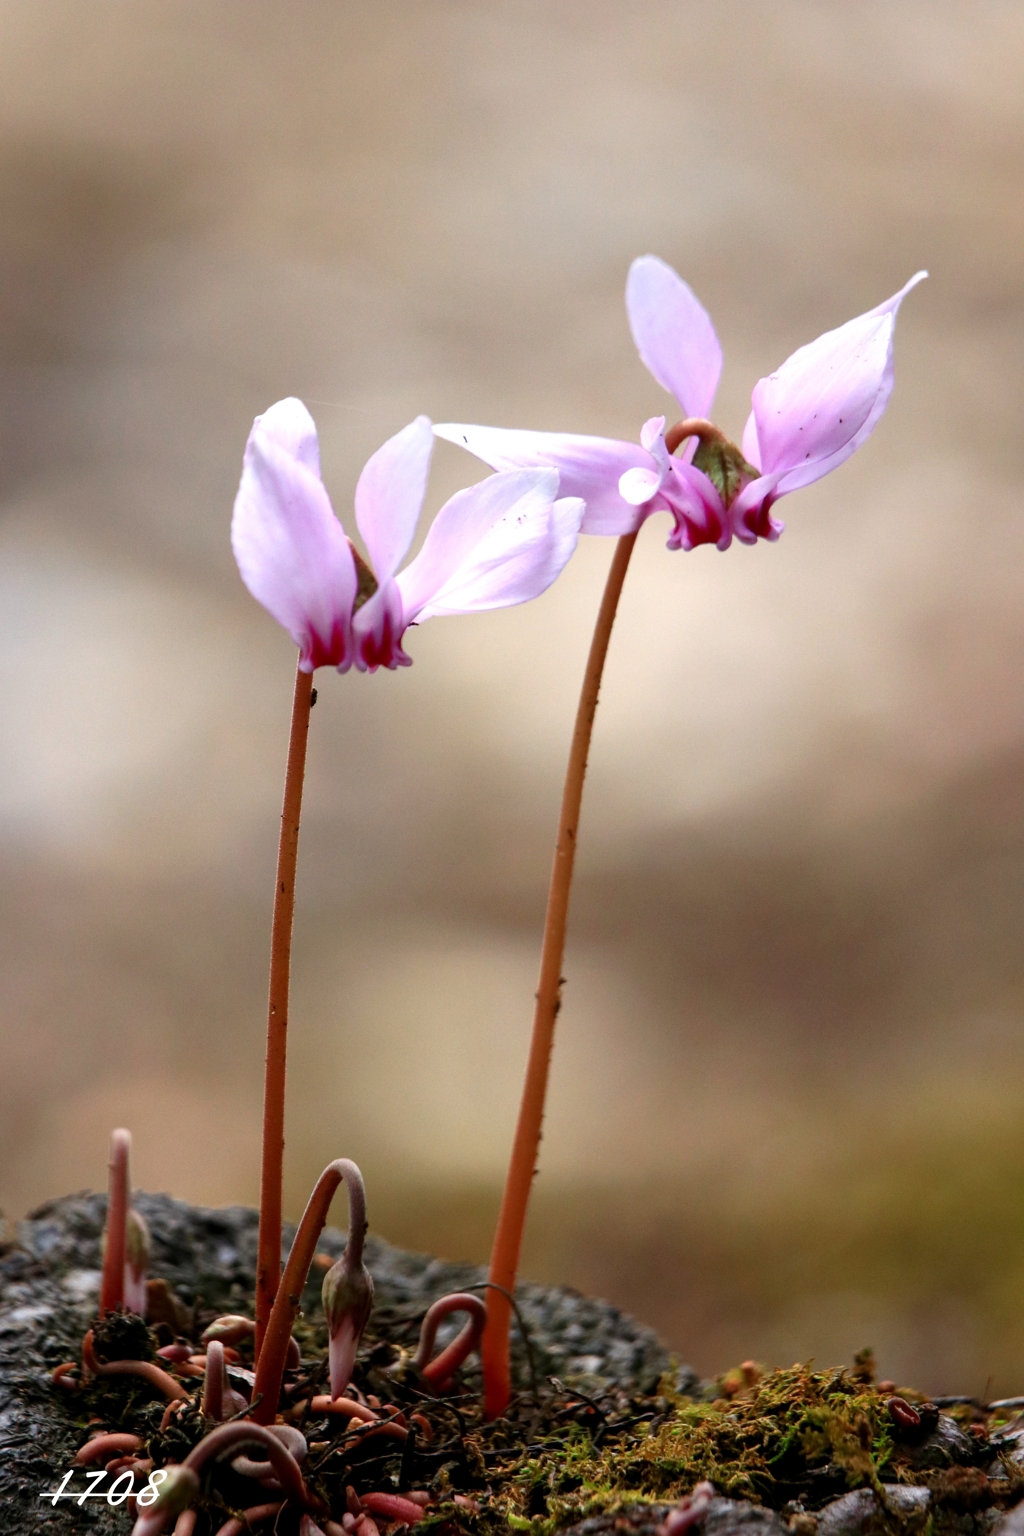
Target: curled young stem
{"x":227,"y":1437}
{"x":270,"y":1363}
{"x":268,"y":1253}
{"x":101,"y":1446}
{"x":437,"y":1373}
{"x":144,"y":1369}
{"x":508,"y":1235}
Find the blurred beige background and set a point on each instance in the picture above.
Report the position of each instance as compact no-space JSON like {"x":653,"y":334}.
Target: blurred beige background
{"x":786,"y":1115}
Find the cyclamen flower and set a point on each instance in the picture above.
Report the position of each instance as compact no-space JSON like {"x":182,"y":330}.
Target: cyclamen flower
{"x":807,"y":418}
{"x":497,"y":543}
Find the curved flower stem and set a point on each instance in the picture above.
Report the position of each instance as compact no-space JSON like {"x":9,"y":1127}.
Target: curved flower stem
{"x":286,"y":1469}
{"x":512,"y":1219}
{"x":437,"y":1373}
{"x":271,"y":1362}
{"x":118,"y":1197}
{"x":693,"y":426}
{"x":268,"y":1253}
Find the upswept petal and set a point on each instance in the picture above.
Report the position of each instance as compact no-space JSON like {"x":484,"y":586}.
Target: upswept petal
{"x":673,"y":334}
{"x":826,"y":399}
{"x":291,"y":426}
{"x":291,"y":550}
{"x":589,"y":467}
{"x":390,"y":494}
{"x":501,"y":542}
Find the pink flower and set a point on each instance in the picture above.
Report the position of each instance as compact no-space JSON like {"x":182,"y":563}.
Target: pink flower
{"x":807,"y":417}
{"x":500,"y":542}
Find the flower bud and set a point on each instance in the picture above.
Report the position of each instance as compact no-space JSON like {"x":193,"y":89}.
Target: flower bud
{"x":347,"y":1300}
{"x":136,"y":1261}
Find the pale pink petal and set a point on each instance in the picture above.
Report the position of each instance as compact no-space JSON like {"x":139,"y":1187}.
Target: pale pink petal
{"x":289,"y":424}
{"x":825,"y":400}
{"x":377,"y":631}
{"x":501,"y":542}
{"x":390,"y":494}
{"x":638,"y":486}
{"x":751,"y":511}
{"x":673,"y":334}
{"x":749,"y":444}
{"x":695,"y":502}
{"x":589,"y":467}
{"x":341,"y":1356}
{"x":291,"y":550}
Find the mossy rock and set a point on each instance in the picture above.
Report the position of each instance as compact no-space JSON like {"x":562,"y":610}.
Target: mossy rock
{"x":604,"y":1434}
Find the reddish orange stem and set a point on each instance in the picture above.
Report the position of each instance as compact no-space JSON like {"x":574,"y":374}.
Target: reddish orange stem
{"x":268,"y":1254}
{"x":508,"y":1237}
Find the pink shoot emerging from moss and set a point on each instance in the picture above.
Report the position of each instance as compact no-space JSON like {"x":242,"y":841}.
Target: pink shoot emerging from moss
{"x":220,"y":1400}
{"x":126,"y":1240}
{"x":115,"y":1244}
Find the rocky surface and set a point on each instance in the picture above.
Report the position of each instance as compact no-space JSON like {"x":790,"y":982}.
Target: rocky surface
{"x":49,"y":1285}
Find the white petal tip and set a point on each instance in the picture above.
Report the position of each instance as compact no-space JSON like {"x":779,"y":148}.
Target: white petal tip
{"x":638,"y":486}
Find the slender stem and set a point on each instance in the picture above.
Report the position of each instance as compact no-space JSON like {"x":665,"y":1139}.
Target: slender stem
{"x":271,"y":1362}
{"x":522,"y":1165}
{"x":268,"y":1255}
{"x":118,"y":1196}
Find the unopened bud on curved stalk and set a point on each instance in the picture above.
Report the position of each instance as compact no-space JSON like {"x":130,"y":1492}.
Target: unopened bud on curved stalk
{"x":347,"y":1295}
{"x":118,"y":1196}
{"x":136,"y":1261}
{"x":347,"y":1290}
{"x":177,"y":1489}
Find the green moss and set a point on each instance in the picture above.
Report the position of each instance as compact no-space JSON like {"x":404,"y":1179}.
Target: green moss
{"x":782,"y":1434}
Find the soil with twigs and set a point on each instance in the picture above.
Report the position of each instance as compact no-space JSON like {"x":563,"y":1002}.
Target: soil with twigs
{"x":605,"y":1432}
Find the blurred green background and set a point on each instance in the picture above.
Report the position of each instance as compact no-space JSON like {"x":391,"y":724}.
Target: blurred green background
{"x":786,"y":1115}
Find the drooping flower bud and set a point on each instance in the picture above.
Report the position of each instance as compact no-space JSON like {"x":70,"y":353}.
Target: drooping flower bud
{"x":136,"y":1261}
{"x":347,"y":1300}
